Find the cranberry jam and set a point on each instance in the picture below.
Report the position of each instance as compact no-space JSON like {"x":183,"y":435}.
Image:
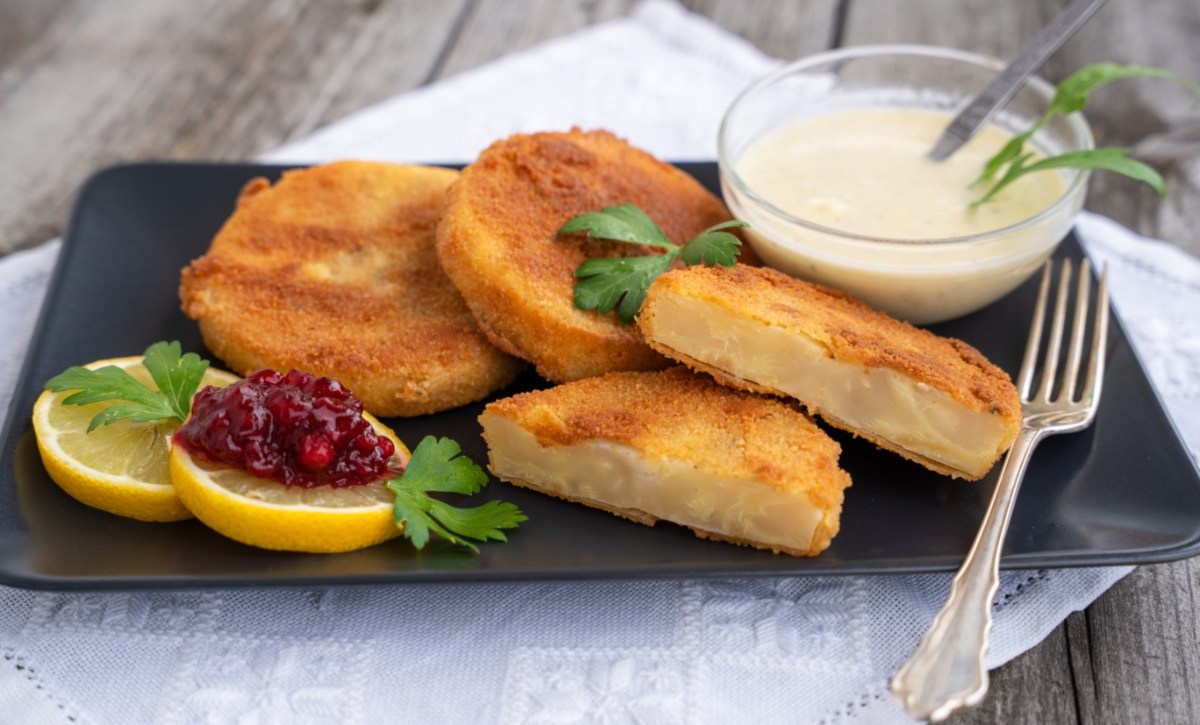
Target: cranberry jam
{"x":297,"y":429}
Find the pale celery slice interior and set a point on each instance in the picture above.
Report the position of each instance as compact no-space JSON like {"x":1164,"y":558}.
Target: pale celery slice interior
{"x":623,"y":477}
{"x":881,"y":401}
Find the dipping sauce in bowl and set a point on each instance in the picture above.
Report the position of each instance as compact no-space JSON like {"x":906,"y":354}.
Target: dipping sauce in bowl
{"x":826,"y":160}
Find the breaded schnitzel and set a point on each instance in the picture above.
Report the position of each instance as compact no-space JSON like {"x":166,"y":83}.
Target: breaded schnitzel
{"x":737,"y":467}
{"x":333,"y":270}
{"x":498,"y":242}
{"x":933,"y":400}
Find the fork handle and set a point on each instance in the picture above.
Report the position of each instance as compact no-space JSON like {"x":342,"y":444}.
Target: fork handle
{"x":946,"y":672}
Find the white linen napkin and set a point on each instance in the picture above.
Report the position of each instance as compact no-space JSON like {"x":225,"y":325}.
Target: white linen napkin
{"x":816,"y":649}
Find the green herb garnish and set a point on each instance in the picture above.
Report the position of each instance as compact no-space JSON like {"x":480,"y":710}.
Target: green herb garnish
{"x":1011,"y":161}
{"x":176,"y":375}
{"x":621,"y":282}
{"x":436,"y":466}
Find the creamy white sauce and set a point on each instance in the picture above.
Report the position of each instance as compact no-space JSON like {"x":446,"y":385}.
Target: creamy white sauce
{"x":865,"y":172}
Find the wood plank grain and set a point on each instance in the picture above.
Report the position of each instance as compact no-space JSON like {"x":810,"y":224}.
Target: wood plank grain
{"x":1143,"y":639}
{"x":395,"y":47}
{"x":23,"y":22}
{"x":1164,"y":35}
{"x":1083,"y":671}
{"x":980,"y":26}
{"x":778,"y":27}
{"x":494,"y":27}
{"x":1034,"y":688}
{"x":781,"y":28}
{"x":117,"y":81}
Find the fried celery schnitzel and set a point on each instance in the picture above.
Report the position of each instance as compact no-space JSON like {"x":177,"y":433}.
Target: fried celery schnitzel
{"x":499,"y":243}
{"x":677,"y":446}
{"x":934,"y":400}
{"x":333,"y":270}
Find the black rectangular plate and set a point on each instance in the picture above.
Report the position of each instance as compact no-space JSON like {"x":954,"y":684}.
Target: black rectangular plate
{"x":1122,"y":492}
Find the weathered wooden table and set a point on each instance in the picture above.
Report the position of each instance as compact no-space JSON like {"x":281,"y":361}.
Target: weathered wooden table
{"x":86,"y":83}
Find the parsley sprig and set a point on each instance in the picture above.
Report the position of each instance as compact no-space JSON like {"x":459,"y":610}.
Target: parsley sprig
{"x":176,"y":375}
{"x":621,"y":282}
{"x":437,"y":467}
{"x":1012,"y":161}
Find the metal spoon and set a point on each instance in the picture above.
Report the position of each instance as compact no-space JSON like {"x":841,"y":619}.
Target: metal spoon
{"x":1003,"y":87}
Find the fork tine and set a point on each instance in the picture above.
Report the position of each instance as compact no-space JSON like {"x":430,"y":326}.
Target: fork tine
{"x":1095,"y":371}
{"x":1078,"y":328}
{"x":1025,"y":378}
{"x":1054,"y":344}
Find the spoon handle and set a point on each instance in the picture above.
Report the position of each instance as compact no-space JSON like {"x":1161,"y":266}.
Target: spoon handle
{"x":1003,"y":87}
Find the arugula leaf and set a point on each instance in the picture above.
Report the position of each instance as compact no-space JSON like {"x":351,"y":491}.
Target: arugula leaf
{"x":1109,"y":159}
{"x":437,"y":466}
{"x":622,"y":282}
{"x":177,"y":376}
{"x":1073,"y":93}
{"x":606,"y":283}
{"x":1014,"y":170}
{"x":1071,"y":96}
{"x":1006,"y":155}
{"x":622,"y":223}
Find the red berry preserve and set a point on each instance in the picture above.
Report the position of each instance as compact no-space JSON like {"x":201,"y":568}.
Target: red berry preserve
{"x":297,"y":429}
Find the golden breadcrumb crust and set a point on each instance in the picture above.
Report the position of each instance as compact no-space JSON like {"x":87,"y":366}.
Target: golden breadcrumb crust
{"x":499,"y":244}
{"x":851,"y":331}
{"x":333,"y":270}
{"x":677,"y":415}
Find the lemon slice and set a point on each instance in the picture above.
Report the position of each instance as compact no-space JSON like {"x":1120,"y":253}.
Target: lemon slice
{"x":265,"y":513}
{"x":120,"y":468}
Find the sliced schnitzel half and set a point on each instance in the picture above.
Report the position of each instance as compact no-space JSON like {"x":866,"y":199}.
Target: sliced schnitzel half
{"x":934,"y":400}
{"x":677,"y":446}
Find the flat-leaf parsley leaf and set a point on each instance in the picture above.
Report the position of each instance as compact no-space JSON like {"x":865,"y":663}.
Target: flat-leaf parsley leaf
{"x":622,"y":282}
{"x":436,"y":466}
{"x":1070,"y":96}
{"x":176,"y":375}
{"x":623,"y":222}
{"x":605,"y":283}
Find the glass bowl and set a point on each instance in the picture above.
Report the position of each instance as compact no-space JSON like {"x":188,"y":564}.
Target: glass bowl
{"x":920,"y":280}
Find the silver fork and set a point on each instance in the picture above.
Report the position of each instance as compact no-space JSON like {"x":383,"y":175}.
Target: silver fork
{"x":946,"y":672}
